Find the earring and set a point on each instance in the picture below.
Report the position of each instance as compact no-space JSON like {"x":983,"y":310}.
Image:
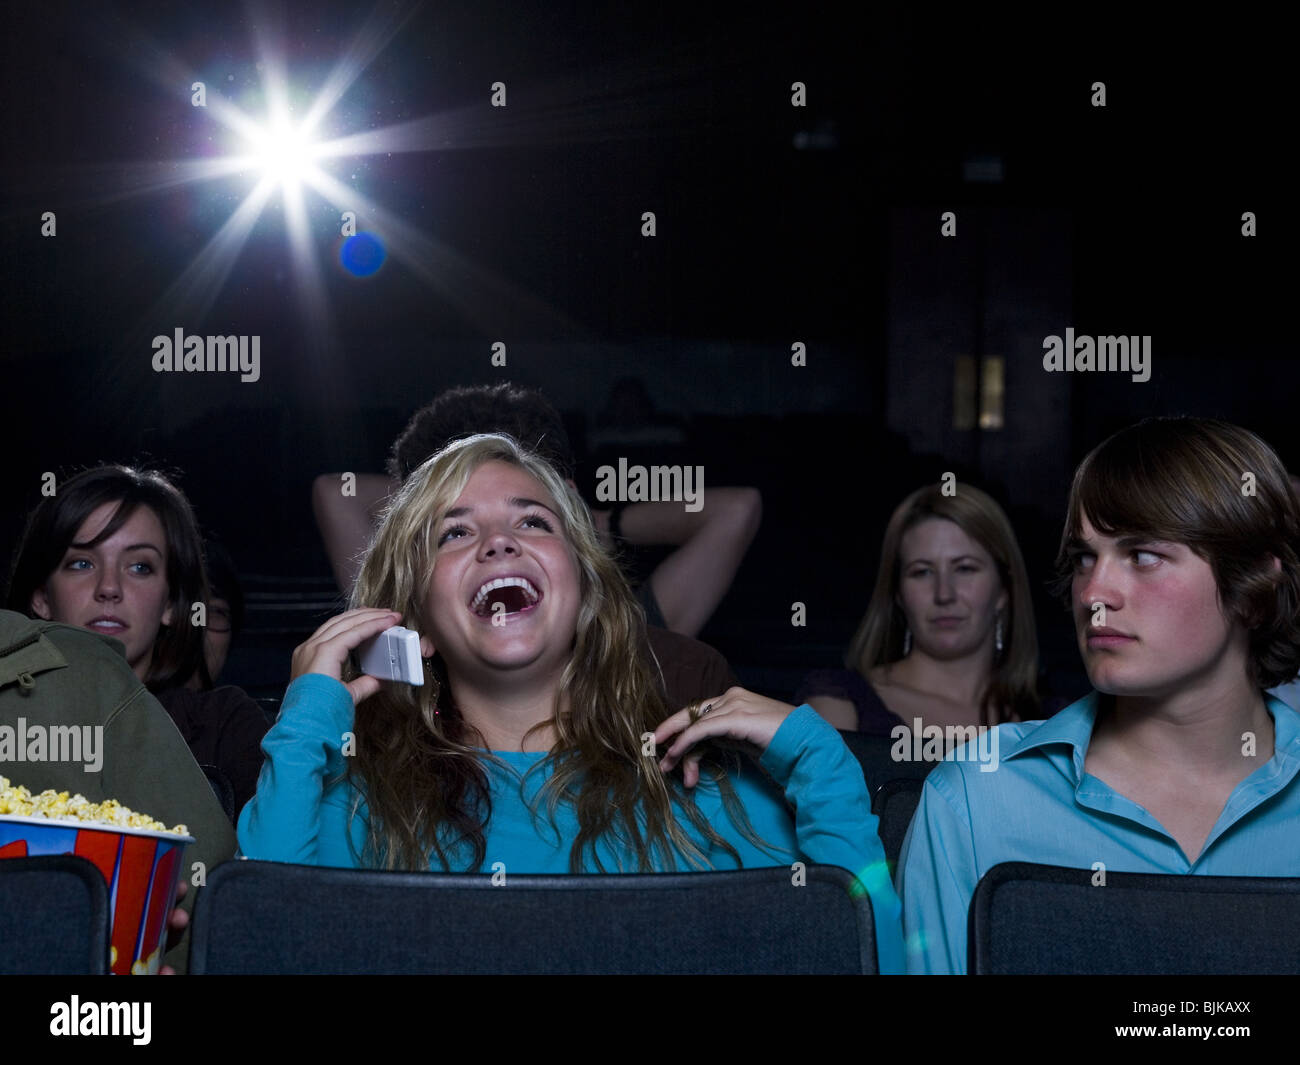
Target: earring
{"x":997,"y":636}
{"x":437,"y":688}
{"x":907,"y":642}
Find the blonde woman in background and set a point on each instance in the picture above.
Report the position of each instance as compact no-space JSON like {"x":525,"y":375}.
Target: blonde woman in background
{"x":948,"y":637}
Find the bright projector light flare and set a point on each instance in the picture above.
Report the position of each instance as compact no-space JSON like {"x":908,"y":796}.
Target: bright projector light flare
{"x":284,"y":154}
{"x":281,"y":152}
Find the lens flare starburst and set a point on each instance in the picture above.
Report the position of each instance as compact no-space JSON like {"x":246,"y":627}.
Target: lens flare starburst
{"x":275,"y":149}
{"x":285,"y":154}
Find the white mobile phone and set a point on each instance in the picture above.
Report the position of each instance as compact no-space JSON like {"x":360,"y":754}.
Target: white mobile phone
{"x":393,"y":655}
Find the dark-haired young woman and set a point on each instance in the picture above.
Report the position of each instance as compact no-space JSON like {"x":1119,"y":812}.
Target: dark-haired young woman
{"x":117,"y":552}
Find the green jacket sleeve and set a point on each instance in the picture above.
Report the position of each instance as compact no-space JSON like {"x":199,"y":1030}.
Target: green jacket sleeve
{"x":59,"y":676}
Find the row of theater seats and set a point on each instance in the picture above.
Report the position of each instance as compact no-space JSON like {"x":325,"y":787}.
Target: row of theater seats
{"x":273,"y":918}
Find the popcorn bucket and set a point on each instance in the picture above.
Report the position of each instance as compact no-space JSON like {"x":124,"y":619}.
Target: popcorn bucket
{"x":140,"y":866}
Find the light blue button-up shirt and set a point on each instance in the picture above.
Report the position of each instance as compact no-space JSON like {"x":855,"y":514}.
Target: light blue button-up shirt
{"x":1040,"y":806}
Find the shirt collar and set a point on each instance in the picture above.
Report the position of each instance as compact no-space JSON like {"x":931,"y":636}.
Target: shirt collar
{"x":1072,"y":728}
{"x":1286,"y":734}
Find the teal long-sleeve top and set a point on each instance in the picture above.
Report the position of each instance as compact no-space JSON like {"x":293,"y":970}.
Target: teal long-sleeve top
{"x":812,"y":806}
{"x":1040,"y":806}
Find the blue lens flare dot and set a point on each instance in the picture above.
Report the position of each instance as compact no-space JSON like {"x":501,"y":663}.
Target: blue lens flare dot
{"x":362,"y":255}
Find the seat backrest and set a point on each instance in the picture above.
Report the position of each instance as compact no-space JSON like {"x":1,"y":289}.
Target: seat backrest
{"x":1027,"y":918}
{"x":894,"y":804}
{"x":54,"y":917}
{"x":874,"y":754}
{"x":272,"y":917}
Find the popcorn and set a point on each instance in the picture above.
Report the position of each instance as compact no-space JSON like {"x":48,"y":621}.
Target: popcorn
{"x":58,"y":806}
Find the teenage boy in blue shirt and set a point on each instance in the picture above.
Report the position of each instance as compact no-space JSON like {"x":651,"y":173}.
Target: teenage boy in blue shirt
{"x":1179,"y":559}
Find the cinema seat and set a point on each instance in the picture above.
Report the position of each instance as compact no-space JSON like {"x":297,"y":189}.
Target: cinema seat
{"x":894,"y":804}
{"x":878,"y":765}
{"x":271,"y":917}
{"x":54,"y":917}
{"x":1027,"y":918}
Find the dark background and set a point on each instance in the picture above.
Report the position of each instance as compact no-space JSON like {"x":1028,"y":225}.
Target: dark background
{"x":776,"y":224}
